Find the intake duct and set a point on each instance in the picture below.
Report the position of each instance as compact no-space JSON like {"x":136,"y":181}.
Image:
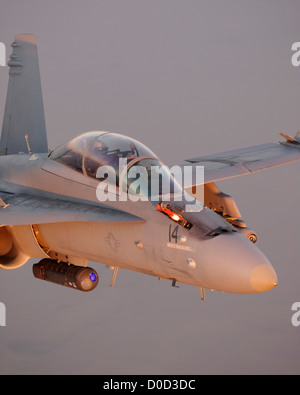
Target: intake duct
{"x":5,"y":241}
{"x":11,"y":255}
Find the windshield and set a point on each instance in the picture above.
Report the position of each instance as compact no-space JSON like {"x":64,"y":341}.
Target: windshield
{"x":71,"y":154}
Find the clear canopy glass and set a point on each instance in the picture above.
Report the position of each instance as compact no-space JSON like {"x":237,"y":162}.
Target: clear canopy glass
{"x":135,"y":167}
{"x":93,"y":150}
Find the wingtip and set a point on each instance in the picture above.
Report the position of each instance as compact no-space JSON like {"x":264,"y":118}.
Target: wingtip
{"x":26,"y":37}
{"x":290,"y":139}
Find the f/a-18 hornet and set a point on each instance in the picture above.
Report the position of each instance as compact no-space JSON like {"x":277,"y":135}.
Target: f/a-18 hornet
{"x":102,"y":197}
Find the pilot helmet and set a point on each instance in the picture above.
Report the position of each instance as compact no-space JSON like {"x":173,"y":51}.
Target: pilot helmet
{"x":100,"y":146}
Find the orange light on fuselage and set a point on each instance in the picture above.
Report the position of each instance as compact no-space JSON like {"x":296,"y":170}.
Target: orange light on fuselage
{"x":166,"y":209}
{"x":174,"y":216}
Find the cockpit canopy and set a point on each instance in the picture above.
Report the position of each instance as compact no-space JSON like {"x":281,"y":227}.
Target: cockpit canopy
{"x":90,"y":151}
{"x":99,"y":154}
{"x":136,"y":170}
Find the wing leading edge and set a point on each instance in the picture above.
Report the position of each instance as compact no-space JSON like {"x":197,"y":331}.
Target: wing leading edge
{"x":247,"y":160}
{"x":17,"y":209}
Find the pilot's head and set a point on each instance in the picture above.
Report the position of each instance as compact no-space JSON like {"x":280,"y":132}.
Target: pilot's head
{"x":100,"y":147}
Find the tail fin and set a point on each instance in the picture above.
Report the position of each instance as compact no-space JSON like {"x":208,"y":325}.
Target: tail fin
{"x":24,"y":109}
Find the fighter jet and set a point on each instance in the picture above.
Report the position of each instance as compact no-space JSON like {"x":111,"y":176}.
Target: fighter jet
{"x":100,"y":197}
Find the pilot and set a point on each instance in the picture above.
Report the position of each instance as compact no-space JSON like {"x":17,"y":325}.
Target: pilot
{"x":96,"y":157}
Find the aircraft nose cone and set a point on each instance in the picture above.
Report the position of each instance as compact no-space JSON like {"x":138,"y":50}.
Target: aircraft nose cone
{"x":231,"y":263}
{"x":263,"y":278}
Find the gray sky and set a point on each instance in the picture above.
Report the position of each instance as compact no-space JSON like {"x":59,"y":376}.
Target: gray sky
{"x":186,"y":78}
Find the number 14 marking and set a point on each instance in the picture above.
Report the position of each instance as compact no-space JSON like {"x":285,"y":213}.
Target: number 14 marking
{"x":174,"y":234}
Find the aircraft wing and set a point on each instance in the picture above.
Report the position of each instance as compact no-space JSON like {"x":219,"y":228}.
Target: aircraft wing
{"x":21,"y":209}
{"x":247,"y":160}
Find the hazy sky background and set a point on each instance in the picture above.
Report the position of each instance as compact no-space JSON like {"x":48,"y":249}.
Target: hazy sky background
{"x":186,"y":78}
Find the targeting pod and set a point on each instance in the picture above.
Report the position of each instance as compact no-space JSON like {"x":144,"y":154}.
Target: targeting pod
{"x":82,"y":278}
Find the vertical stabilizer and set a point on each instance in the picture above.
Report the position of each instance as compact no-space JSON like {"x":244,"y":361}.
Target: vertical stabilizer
{"x":24,"y":109}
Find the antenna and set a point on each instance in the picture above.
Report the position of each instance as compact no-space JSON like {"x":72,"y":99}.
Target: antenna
{"x":28,"y":145}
